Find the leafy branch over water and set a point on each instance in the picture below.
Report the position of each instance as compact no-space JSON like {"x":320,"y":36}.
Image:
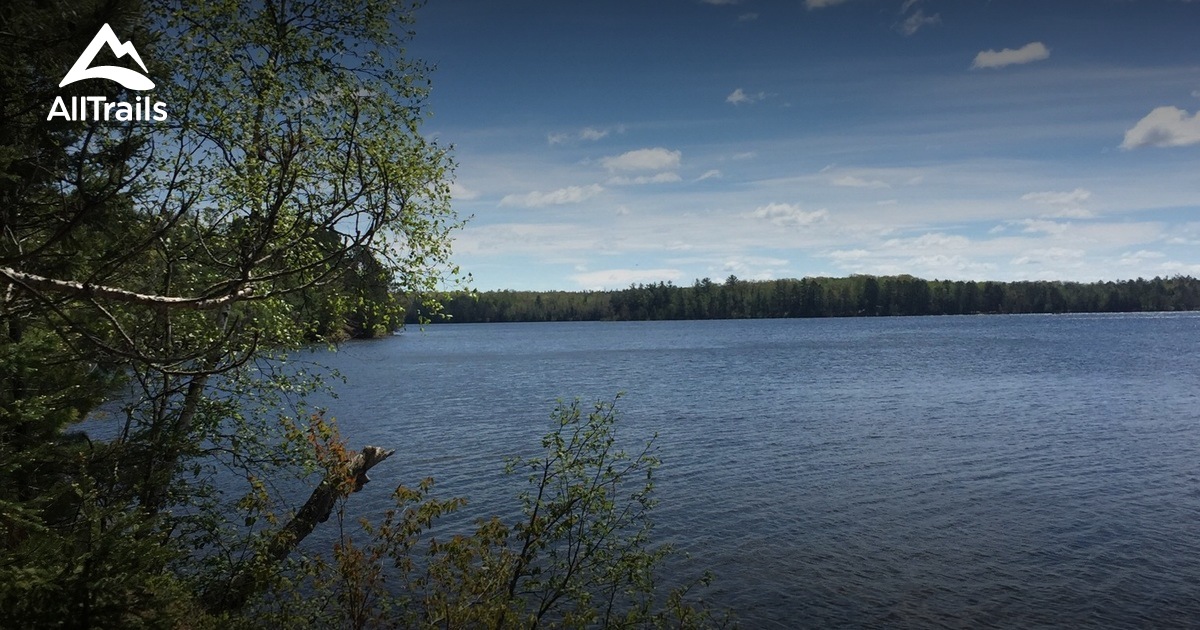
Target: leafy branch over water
{"x":579,"y":555}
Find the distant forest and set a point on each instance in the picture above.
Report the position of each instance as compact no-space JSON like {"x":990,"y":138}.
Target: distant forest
{"x":855,"y":296}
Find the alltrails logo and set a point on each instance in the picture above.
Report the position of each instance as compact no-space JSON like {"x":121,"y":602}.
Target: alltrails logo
{"x":99,"y":107}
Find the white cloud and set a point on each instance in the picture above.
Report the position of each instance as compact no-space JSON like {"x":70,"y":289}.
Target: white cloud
{"x":656,"y":159}
{"x":747,"y":17}
{"x":746,"y":155}
{"x":562,"y":196}
{"x":460,"y":191}
{"x":659,"y":178}
{"x":1033,"y":51}
{"x":557,"y":138}
{"x":621,"y":278}
{"x":786,"y":214}
{"x":850,"y":181}
{"x":738,"y":97}
{"x":1164,"y":127}
{"x":709,"y":174}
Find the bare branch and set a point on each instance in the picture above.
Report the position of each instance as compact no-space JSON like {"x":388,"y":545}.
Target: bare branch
{"x":92,"y":291}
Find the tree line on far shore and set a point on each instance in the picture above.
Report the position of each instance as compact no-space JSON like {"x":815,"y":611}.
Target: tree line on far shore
{"x":854,"y":296}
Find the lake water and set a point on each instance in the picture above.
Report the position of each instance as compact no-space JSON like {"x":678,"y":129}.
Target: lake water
{"x":1006,"y":471}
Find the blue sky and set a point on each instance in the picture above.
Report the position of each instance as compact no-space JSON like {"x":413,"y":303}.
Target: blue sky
{"x":601,"y":144}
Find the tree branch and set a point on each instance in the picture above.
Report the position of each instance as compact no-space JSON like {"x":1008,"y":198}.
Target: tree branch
{"x":318,"y":508}
{"x":92,"y":291}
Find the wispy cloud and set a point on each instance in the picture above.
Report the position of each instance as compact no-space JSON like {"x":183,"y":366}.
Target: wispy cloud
{"x":1079,"y":195}
{"x":1042,"y":226}
{"x":658,"y":178}
{"x":847,"y":255}
{"x":931,"y":241}
{"x":739,"y":97}
{"x":787,"y":214}
{"x":709,"y":174}
{"x":1139,"y":257}
{"x":1058,"y":256}
{"x":753,"y":267}
{"x":561,"y":196}
{"x":1033,"y":51}
{"x":1062,"y":205}
{"x":917,"y":20}
{"x":655,"y":159}
{"x":821,"y":4}
{"x":747,"y":17}
{"x":460,"y":191}
{"x":590,"y":134}
{"x":850,"y":181}
{"x":930,"y":255}
{"x":1164,"y":127}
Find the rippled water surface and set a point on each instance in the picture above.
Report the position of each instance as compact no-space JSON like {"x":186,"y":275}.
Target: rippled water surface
{"x":945,"y":471}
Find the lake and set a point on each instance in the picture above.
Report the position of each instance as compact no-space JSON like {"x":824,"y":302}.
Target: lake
{"x":978,"y":471}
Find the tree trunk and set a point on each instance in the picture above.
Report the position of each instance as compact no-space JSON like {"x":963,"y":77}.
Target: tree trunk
{"x":318,"y":508}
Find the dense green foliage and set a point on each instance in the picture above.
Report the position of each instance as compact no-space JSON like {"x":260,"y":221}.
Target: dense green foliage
{"x":156,"y":449}
{"x":855,"y":296}
{"x":154,"y":274}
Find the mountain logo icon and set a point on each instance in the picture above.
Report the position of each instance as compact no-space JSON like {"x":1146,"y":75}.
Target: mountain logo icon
{"x":131,"y":79}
